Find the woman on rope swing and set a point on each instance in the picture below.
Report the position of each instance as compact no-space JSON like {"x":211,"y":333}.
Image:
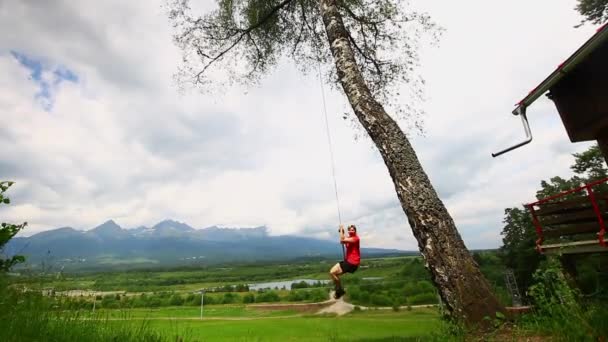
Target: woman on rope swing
{"x":351,"y":260}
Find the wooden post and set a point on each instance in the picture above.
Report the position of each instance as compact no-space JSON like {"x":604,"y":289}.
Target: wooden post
{"x":202,"y":301}
{"x":602,"y":141}
{"x":569,"y":268}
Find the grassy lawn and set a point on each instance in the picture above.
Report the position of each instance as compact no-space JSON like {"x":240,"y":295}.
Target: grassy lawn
{"x":360,"y":326}
{"x":212,"y":311}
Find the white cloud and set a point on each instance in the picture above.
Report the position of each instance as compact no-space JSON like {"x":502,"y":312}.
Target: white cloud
{"x":121,"y":142}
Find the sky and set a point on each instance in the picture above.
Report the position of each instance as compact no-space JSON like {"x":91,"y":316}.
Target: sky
{"x":93,"y":126}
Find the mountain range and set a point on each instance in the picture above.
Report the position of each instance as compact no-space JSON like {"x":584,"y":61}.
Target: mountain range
{"x":169,"y":243}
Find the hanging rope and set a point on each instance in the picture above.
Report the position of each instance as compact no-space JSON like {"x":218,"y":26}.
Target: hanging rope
{"x":331,"y":151}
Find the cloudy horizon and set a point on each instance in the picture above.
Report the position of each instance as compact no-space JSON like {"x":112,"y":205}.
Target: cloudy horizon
{"x":95,"y":128}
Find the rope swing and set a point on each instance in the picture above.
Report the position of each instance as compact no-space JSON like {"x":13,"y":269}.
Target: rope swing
{"x":331,"y":151}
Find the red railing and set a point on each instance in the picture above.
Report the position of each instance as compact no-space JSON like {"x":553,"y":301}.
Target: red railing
{"x":555,"y":198}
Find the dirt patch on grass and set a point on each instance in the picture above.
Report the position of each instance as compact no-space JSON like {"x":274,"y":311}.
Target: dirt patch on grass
{"x":300,"y":307}
{"x":331,"y":306}
{"x":340,"y":307}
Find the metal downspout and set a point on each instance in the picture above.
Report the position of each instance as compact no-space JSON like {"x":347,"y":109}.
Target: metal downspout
{"x":521,"y":111}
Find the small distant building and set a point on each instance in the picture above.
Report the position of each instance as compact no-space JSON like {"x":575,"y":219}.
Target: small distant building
{"x":579,"y":89}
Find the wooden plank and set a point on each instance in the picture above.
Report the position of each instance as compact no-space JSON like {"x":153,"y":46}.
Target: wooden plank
{"x":572,"y":243}
{"x":576,"y":247}
{"x":570,"y":205}
{"x":575,"y":217}
{"x":571,"y":229}
{"x":562,"y":208}
{"x":565,"y":200}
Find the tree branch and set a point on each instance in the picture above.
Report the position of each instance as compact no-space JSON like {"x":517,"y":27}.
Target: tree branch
{"x":297,"y":43}
{"x":241,"y":34}
{"x":369,"y":59}
{"x":358,"y":18}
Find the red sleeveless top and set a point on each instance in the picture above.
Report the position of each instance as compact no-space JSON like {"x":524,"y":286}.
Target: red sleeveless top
{"x":353,"y":255}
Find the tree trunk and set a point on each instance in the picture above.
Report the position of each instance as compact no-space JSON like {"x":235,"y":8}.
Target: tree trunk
{"x":462,"y":287}
{"x":568,"y":263}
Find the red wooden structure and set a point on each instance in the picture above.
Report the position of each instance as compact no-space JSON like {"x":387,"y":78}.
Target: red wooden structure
{"x":573,"y":221}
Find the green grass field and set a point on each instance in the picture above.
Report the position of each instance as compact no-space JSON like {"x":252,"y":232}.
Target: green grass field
{"x":418,"y":324}
{"x":157,"y":314}
{"x":212,"y":311}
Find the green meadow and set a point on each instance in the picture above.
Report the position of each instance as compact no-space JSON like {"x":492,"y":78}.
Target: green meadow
{"x":360,"y":326}
{"x":166,"y":307}
{"x":209,"y":312}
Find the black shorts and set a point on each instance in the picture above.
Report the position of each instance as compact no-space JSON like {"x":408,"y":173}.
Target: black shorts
{"x":347,"y":267}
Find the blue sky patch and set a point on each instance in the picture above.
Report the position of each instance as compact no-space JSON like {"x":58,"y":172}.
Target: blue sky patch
{"x":47,"y":86}
{"x":62,"y":73}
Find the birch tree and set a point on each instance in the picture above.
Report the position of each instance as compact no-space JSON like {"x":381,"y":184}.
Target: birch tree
{"x":370,"y":50}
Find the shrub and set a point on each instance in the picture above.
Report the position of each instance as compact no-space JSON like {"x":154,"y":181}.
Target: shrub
{"x":269,"y":296}
{"x":249,"y":298}
{"x":380,"y":300}
{"x":229,"y":298}
{"x":423,"y":298}
{"x":296,"y":296}
{"x":560,"y":311}
{"x":317,"y":295}
{"x":176,"y":300}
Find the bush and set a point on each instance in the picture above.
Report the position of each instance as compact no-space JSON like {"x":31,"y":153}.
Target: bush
{"x":192,"y":300}
{"x":317,"y":295}
{"x":176,"y":300}
{"x":300,"y":285}
{"x":296,"y":296}
{"x":109,"y":302}
{"x":229,"y":298}
{"x":270,"y":296}
{"x":354,"y":293}
{"x":210,"y":300}
{"x":154,"y":302}
{"x":364,"y":297}
{"x":423,"y":298}
{"x":560,"y":311}
{"x":380,"y":300}
{"x":412,"y":289}
{"x":249,"y":298}
{"x":7,"y":231}
{"x":241,"y":288}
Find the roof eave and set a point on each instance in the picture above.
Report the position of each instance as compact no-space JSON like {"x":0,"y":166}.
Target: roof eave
{"x":599,"y":37}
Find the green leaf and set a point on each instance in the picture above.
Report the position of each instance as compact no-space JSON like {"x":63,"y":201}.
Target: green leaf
{"x":6,"y":201}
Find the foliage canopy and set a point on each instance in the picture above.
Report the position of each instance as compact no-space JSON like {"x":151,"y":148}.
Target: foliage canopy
{"x":594,"y":11}
{"x":247,"y":38}
{"x":7,"y":231}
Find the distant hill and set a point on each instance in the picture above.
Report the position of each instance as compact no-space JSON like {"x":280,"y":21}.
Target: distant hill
{"x":169,"y":243}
